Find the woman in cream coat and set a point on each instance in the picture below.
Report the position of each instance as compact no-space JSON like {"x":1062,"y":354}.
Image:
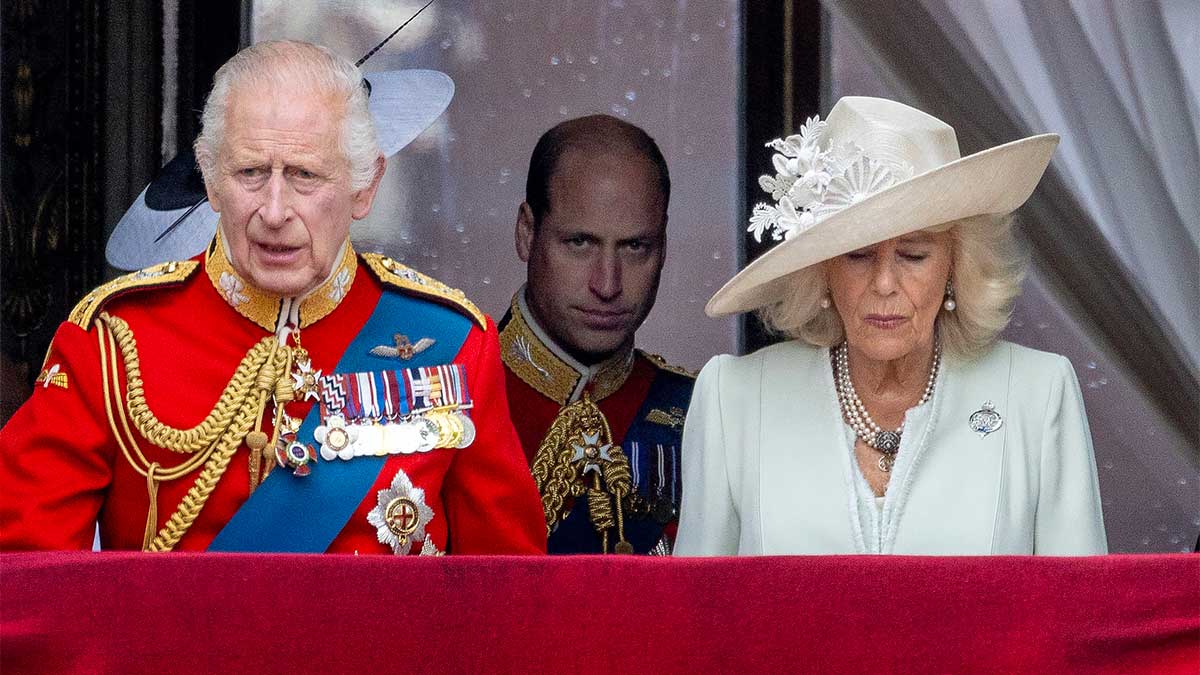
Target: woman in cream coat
{"x":894,"y":421}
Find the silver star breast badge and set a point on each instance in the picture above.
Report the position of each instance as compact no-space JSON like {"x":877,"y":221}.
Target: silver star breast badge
{"x":400,"y":515}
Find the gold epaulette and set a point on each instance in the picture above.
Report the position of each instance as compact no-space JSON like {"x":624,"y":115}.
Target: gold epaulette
{"x":662,"y":364}
{"x":391,"y":273}
{"x":155,"y":276}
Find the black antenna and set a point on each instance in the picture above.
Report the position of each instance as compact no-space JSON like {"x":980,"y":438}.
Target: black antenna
{"x":358,"y":63}
{"x":386,"y":39}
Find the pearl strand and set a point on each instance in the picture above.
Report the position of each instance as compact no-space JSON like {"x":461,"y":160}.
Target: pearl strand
{"x":865,"y":428}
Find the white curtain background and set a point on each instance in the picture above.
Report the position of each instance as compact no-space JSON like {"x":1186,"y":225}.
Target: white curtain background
{"x":1118,"y":80}
{"x":1115,"y":225}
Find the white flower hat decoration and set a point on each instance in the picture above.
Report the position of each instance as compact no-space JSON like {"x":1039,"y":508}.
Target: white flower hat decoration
{"x":873,"y":170}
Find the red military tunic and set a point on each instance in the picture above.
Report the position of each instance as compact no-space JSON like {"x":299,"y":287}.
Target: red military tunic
{"x":542,"y":379}
{"x":62,"y":468}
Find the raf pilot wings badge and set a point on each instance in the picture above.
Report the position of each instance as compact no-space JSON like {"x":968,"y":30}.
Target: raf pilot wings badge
{"x":403,"y":348}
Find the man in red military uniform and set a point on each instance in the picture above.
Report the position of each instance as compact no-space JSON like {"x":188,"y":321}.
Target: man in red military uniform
{"x":279,"y":392}
{"x":599,"y":420}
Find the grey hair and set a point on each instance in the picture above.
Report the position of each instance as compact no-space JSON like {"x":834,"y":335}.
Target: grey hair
{"x":987,"y":272}
{"x":290,"y":64}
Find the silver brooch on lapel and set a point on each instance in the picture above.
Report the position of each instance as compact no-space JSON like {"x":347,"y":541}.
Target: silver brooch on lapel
{"x":985,"y":420}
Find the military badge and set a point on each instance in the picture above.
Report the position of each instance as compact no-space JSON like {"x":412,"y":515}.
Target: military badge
{"x":402,"y":348}
{"x":305,"y":380}
{"x":337,"y":440}
{"x":292,"y":454}
{"x":400,"y":515}
{"x":52,"y":376}
{"x":430,"y":548}
{"x":523,"y":350}
{"x":589,"y":454}
{"x":672,"y":418}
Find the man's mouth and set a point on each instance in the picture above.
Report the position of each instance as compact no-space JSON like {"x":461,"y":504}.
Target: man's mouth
{"x":277,"y":254}
{"x":604,"y":319}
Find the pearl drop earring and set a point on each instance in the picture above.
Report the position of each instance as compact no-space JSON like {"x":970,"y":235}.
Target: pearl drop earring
{"x":949,"y":304}
{"x":825,"y":302}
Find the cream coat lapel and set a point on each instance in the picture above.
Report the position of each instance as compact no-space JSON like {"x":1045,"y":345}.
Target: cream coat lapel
{"x":802,"y":469}
{"x":958,"y":482}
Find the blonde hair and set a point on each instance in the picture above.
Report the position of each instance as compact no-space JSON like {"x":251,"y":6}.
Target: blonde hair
{"x":292,"y":65}
{"x":986,"y":275}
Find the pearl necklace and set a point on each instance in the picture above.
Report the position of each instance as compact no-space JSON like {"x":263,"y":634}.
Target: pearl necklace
{"x":886,"y":442}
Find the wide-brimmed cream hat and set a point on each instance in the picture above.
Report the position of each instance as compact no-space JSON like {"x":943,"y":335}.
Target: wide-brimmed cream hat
{"x":873,"y":170}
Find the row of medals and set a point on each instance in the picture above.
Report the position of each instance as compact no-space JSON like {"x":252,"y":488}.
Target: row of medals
{"x":660,"y":508}
{"x":418,"y":432}
{"x":422,"y":432}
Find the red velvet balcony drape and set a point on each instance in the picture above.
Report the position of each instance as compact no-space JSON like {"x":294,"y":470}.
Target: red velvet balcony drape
{"x":213,"y":613}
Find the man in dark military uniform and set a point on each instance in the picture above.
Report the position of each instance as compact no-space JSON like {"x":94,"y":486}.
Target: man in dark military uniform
{"x":278,"y":392}
{"x":600,"y":421}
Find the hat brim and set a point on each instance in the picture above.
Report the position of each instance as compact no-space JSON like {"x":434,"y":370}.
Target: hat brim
{"x":995,"y":181}
{"x":403,"y":103}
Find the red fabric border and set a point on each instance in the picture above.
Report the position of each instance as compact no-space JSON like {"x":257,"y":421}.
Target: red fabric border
{"x":134,"y":613}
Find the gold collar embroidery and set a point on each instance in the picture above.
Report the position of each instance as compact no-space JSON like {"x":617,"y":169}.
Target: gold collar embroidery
{"x":263,"y":308}
{"x":555,"y":375}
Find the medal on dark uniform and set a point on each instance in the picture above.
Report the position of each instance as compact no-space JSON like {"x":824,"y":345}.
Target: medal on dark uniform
{"x":638,"y":507}
{"x":663,"y":510}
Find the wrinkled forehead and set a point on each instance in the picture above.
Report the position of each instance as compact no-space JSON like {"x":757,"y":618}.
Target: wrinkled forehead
{"x":309,"y":118}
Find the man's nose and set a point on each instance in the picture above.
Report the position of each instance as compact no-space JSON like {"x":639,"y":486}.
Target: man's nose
{"x":605,"y":281}
{"x":276,"y":209}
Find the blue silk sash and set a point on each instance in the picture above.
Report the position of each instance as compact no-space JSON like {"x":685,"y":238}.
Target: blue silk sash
{"x":291,"y":514}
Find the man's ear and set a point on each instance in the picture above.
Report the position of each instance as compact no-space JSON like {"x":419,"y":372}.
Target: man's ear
{"x":525,"y":231}
{"x":213,"y":200}
{"x":364,"y":198}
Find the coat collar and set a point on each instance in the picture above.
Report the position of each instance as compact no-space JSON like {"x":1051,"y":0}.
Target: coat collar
{"x":269,"y":310}
{"x":531,"y":355}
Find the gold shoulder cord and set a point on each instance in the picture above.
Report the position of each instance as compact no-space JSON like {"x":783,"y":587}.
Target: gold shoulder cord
{"x":263,"y":372}
{"x":579,"y":444}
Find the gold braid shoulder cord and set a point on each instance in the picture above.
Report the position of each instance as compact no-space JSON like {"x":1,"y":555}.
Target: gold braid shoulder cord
{"x":237,"y":415}
{"x":579,"y":443}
